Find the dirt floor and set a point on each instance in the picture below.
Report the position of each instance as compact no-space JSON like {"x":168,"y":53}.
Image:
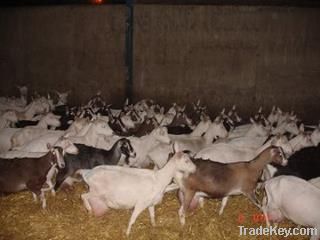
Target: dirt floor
{"x":66,"y":218}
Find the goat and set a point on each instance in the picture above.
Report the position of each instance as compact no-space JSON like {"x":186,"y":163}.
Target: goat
{"x":255,"y":129}
{"x":92,"y":133}
{"x":118,"y":187}
{"x":29,"y":173}
{"x":304,"y":164}
{"x":90,"y":157}
{"x":227,"y":153}
{"x":159,"y":154}
{"x":29,"y":133}
{"x":293,"y":198}
{"x":220,"y":180}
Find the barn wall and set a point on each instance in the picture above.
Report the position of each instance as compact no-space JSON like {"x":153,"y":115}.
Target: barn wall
{"x":225,"y":55}
{"x":64,"y":47}
{"x":222,"y":55}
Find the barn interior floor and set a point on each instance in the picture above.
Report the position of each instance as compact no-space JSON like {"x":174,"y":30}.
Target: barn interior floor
{"x":66,"y":218}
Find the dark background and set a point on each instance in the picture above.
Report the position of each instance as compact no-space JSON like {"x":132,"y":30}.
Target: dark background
{"x":248,"y":53}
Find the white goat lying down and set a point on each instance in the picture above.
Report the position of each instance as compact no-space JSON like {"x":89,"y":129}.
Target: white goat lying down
{"x":293,"y":198}
{"x":118,"y":187}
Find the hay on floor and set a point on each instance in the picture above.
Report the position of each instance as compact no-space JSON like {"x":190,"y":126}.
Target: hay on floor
{"x":66,"y":219}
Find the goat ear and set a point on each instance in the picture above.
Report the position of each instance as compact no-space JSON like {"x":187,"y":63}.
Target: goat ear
{"x":260,"y":109}
{"x":176,"y":147}
{"x":183,"y":108}
{"x":126,"y":102}
{"x":233,"y":107}
{"x":217,"y":120}
{"x":198,"y":102}
{"x":301,"y":128}
{"x":252,"y":121}
{"x":222,"y":111}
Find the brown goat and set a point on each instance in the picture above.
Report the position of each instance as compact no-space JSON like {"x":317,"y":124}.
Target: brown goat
{"x":220,"y":180}
{"x":18,"y":174}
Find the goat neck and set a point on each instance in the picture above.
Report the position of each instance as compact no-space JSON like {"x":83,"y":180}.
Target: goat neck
{"x":42,"y":123}
{"x":166,"y":174}
{"x":262,"y":159}
{"x":29,"y":111}
{"x":115,"y":152}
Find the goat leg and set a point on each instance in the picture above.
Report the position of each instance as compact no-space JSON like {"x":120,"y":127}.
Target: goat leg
{"x":43,"y":199}
{"x":223,"y":204}
{"x":264,"y":210}
{"x":253,"y":198}
{"x":152,"y":216}
{"x":186,"y":198}
{"x":35,"y":197}
{"x":136,"y":211}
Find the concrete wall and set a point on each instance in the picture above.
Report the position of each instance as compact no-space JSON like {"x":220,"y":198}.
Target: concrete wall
{"x":64,"y":47}
{"x":226,"y":55}
{"x":222,"y":55}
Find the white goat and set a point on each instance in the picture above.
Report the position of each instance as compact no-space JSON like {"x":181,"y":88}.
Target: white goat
{"x":31,"y":132}
{"x":289,"y":126}
{"x":293,"y":198}
{"x":159,"y":154}
{"x":254,"y":129}
{"x":227,"y":153}
{"x":93,"y":134}
{"x":118,"y":187}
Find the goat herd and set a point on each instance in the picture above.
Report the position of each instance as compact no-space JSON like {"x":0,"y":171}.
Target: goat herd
{"x":46,"y":145}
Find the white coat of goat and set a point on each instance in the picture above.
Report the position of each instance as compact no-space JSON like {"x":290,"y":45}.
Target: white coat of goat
{"x":227,"y":153}
{"x":7,"y":118}
{"x":293,"y":198}
{"x":31,"y":132}
{"x":119,"y":187}
{"x":159,"y":154}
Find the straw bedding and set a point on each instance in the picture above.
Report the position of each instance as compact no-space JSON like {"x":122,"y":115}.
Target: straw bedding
{"x":66,"y":218}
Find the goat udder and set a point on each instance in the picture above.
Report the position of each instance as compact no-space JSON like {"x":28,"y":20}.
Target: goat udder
{"x":99,"y":208}
{"x":194,"y":203}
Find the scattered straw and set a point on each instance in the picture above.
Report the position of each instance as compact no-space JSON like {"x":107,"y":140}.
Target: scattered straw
{"x":66,"y":218}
